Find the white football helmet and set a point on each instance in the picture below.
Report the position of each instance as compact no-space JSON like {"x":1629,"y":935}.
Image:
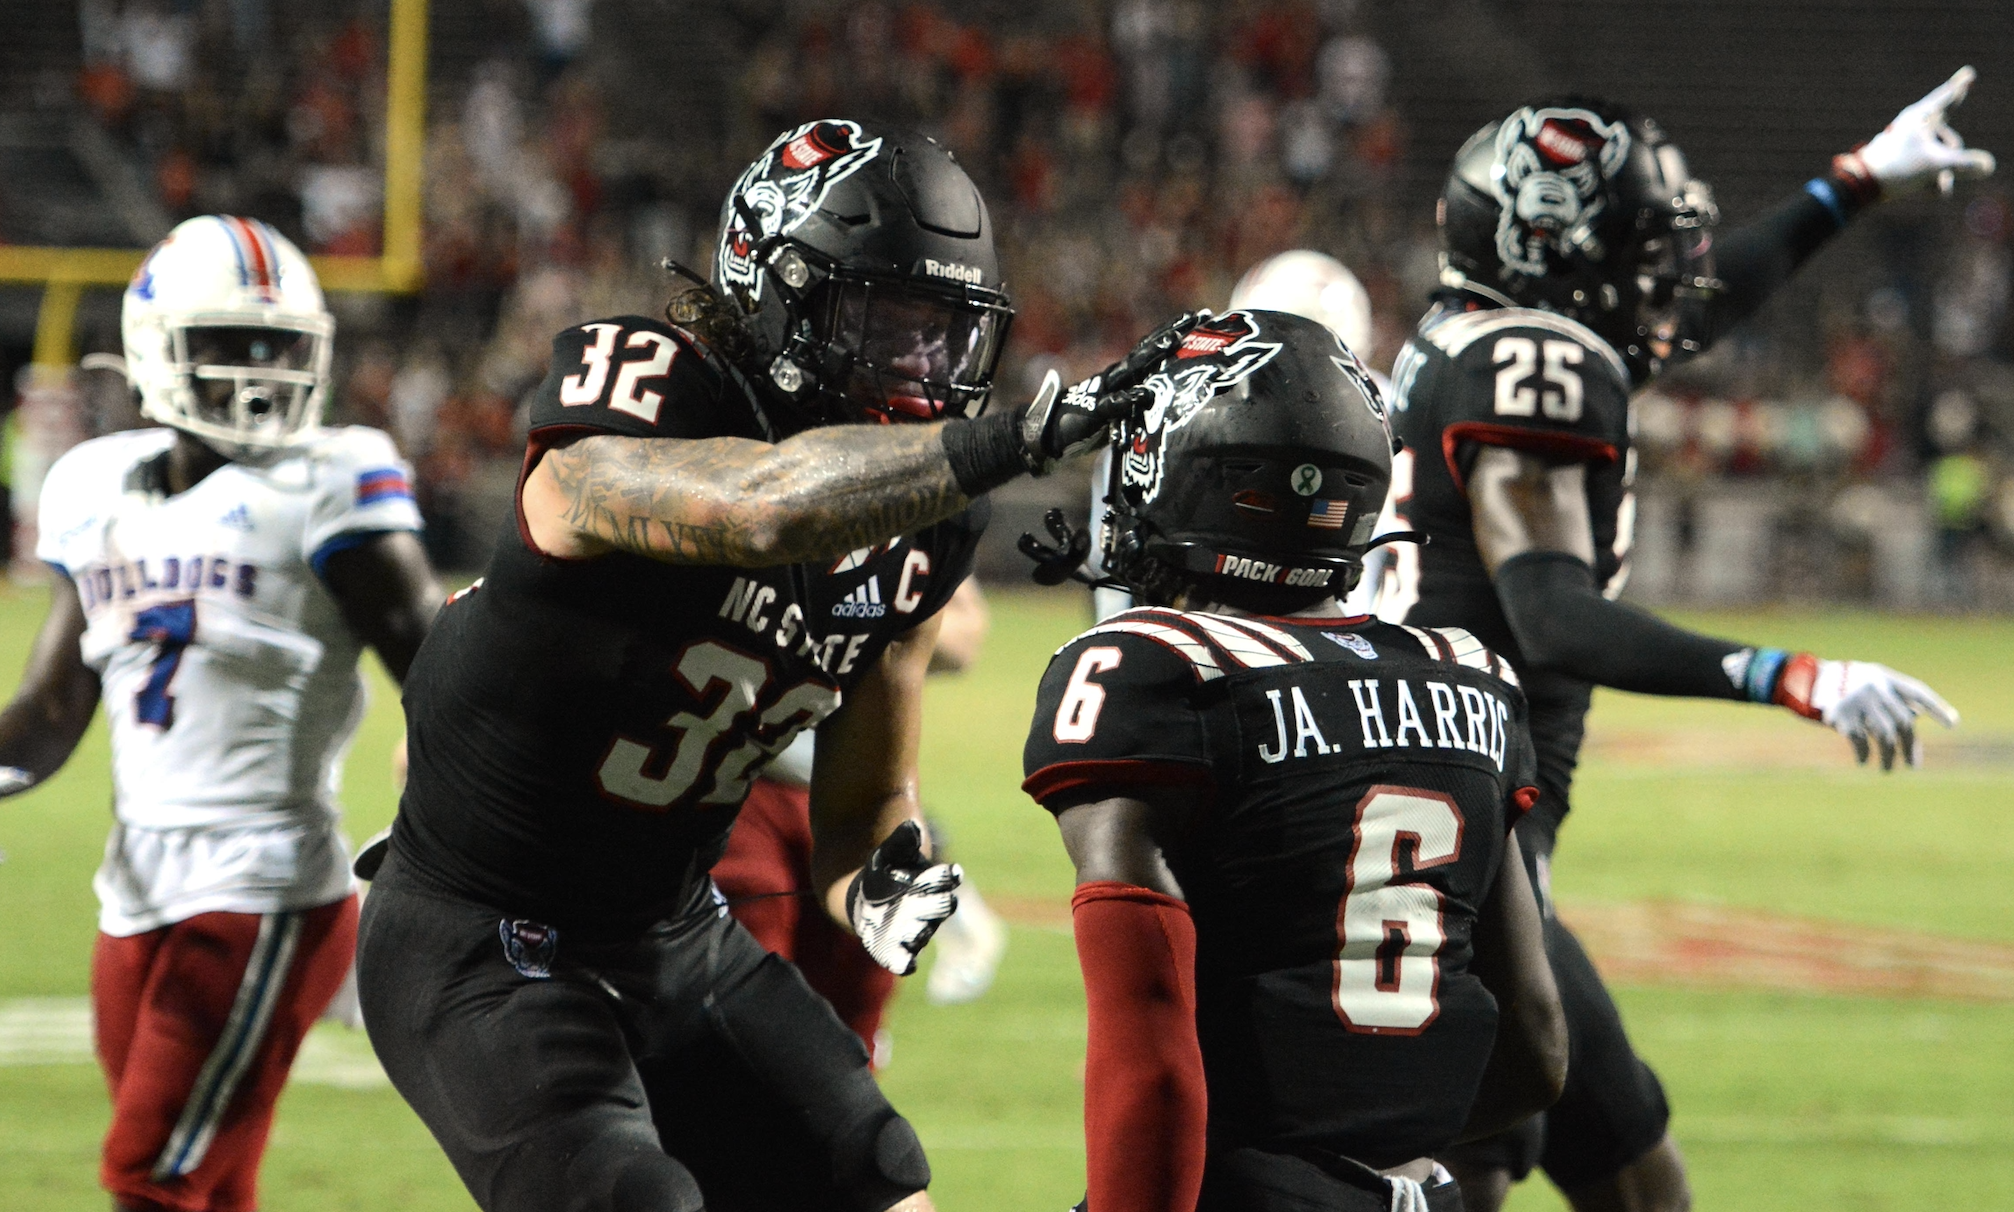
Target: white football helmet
{"x":1314,"y":285}
{"x":227,"y":337}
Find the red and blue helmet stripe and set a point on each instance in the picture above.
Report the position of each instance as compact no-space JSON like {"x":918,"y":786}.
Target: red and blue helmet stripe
{"x":258,"y":256}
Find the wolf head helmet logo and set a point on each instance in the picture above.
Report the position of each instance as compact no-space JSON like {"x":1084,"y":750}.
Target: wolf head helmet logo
{"x":778,"y":192}
{"x":1551,"y":166}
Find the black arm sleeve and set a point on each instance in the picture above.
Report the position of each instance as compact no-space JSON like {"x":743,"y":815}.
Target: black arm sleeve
{"x":1760,"y":255}
{"x":1563,"y":624}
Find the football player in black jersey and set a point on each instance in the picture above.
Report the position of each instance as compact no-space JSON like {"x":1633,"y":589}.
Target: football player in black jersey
{"x":1310,"y":950}
{"x":728,"y":528}
{"x":1579,"y":257}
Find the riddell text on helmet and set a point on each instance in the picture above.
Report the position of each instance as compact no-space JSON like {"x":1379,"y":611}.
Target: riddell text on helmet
{"x":1272,"y":574}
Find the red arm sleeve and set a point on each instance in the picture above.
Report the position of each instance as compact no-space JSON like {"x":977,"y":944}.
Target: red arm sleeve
{"x":1144,"y":1103}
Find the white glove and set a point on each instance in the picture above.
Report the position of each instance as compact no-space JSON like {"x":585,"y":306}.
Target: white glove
{"x":1859,"y":700}
{"x":1407,"y":1195}
{"x":1920,"y":146}
{"x":899,"y":898}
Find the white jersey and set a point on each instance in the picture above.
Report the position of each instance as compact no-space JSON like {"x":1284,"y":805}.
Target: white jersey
{"x":227,"y":671}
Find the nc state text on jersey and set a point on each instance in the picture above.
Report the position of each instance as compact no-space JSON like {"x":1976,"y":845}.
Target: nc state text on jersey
{"x":752,"y":603}
{"x":1464,"y":717}
{"x":128,"y":579}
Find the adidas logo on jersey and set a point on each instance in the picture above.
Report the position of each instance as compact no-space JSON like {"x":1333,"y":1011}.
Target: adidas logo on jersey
{"x":862,"y":603}
{"x":239,"y":518}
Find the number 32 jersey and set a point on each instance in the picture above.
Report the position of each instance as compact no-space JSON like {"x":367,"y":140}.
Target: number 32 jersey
{"x":582,"y":732}
{"x":1359,"y":780}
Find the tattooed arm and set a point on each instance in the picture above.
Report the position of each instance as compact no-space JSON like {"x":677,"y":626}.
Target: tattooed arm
{"x":740,"y":502}
{"x":822,"y":493}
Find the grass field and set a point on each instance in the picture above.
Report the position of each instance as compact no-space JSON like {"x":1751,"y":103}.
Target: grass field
{"x":1783,"y":1098}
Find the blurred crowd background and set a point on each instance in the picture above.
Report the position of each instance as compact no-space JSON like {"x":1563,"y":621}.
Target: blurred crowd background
{"x":1854,"y":443}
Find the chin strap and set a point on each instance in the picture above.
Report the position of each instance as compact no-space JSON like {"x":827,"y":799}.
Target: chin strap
{"x":105,"y":361}
{"x":1420,"y":537}
{"x":1065,"y":561}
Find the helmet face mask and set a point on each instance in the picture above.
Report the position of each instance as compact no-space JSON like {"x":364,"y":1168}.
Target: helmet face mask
{"x":890,"y":348}
{"x":1257,"y":476}
{"x":252,"y":387}
{"x":227,"y":338}
{"x":862,"y":260}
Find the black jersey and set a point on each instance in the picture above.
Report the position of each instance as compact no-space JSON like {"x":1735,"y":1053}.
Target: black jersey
{"x":1520,"y":378}
{"x":582,"y":731}
{"x":1361,"y":778}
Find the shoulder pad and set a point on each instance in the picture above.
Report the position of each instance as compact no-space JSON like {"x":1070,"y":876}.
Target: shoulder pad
{"x":356,"y":444}
{"x":1212,"y":644}
{"x":630,"y":375}
{"x":113,"y":455}
{"x":1455,"y":646}
{"x":1454,"y":332}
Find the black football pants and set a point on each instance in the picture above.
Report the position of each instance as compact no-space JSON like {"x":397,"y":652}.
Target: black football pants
{"x":685,"y":1069}
{"x":1613,"y":1108}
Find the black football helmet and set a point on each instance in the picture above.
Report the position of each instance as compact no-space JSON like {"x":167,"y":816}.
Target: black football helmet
{"x":1257,"y":476}
{"x":1580,"y":207}
{"x":861,"y":257}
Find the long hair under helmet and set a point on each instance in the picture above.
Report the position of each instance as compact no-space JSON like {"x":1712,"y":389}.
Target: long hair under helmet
{"x":861,"y":258}
{"x":227,"y":338}
{"x":1580,"y":207}
{"x":1256,"y":477}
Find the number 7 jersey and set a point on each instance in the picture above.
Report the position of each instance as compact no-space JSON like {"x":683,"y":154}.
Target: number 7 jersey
{"x":1359,"y":779}
{"x":228,"y":674}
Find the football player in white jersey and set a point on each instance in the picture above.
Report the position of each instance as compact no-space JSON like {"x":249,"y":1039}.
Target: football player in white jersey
{"x":216,"y":581}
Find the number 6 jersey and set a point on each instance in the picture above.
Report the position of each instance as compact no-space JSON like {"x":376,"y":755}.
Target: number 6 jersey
{"x":1359,"y":780}
{"x":583,"y":731}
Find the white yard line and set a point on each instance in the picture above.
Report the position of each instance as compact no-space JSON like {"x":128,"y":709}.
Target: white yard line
{"x":57,"y":1031}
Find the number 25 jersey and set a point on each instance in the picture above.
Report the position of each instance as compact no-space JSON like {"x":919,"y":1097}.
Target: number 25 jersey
{"x":582,"y":732}
{"x":1527,"y":380}
{"x":1359,"y":780}
{"x":1514,"y":377}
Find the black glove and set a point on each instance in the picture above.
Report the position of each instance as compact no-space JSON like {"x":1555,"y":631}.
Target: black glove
{"x":1153,"y":349}
{"x":1080,"y":420}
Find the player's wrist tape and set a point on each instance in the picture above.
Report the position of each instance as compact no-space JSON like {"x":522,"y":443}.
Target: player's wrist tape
{"x":1848,"y":188}
{"x":987,"y":451}
{"x":1755,"y":671}
{"x":1795,"y":684}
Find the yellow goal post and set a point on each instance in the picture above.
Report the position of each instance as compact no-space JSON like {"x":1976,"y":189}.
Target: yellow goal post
{"x":65,"y":273}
